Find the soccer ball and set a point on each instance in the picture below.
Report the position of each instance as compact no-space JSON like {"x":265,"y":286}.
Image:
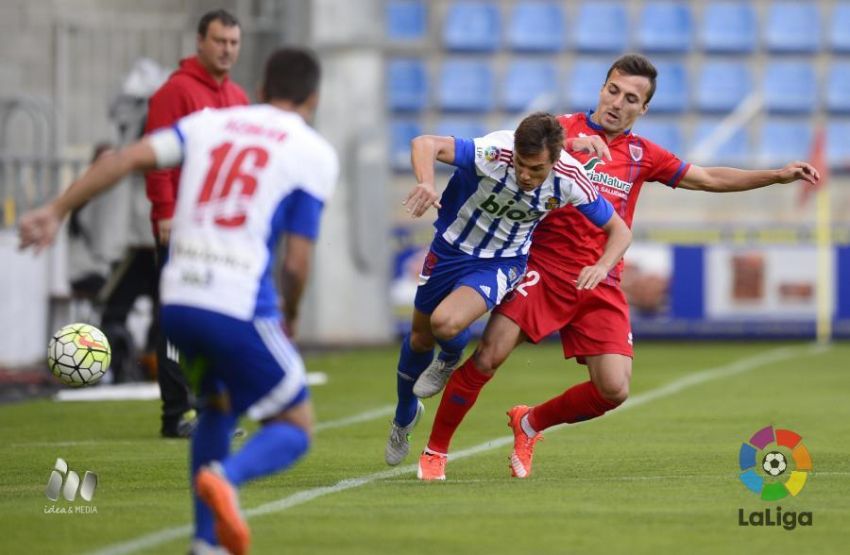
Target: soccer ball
{"x":774,"y":463}
{"x":78,"y":354}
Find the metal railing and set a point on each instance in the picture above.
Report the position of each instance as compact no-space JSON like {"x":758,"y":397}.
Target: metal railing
{"x":30,"y":170}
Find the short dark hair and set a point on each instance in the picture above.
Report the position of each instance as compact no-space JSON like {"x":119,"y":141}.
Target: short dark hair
{"x":291,"y":74}
{"x":225,"y":17}
{"x":636,"y":64}
{"x":538,"y":131}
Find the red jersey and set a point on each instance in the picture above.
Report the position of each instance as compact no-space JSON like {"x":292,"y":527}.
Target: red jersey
{"x":189,"y":89}
{"x":565,"y":239}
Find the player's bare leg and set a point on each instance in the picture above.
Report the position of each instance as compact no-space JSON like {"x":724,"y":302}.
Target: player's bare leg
{"x":301,"y":416}
{"x":421,"y":337}
{"x":501,"y":336}
{"x":456,"y":312}
{"x":610,"y":376}
{"x":417,"y":351}
{"x":450,"y":324}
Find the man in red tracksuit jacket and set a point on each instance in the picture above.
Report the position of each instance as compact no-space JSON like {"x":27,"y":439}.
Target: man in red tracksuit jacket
{"x":200,"y":82}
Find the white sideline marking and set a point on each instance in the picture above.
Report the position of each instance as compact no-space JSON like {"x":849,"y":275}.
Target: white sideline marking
{"x":738,"y":367}
{"x":321,"y":426}
{"x":140,"y":391}
{"x":356,"y":419}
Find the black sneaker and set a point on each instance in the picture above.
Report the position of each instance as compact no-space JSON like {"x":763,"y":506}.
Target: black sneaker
{"x":182,"y":428}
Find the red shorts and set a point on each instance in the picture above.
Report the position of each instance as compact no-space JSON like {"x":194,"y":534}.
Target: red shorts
{"x":591,"y":322}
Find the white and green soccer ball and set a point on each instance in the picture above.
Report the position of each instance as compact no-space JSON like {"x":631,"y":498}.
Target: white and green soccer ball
{"x":78,"y":354}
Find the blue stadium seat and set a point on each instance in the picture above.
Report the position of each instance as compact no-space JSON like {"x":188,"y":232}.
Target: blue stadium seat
{"x":839,"y":32}
{"x":463,"y":128}
{"x":584,"y":83}
{"x":729,"y":27}
{"x":665,"y":27}
{"x":838,"y":88}
{"x":723,"y":85}
{"x":790,"y":87}
{"x":402,"y":131}
{"x":671,"y":92}
{"x":781,"y":141}
{"x":527,"y":81}
{"x":662,"y":132}
{"x":537,"y":27}
{"x":792,"y":27}
{"x":734,"y":151}
{"x":472,"y":26}
{"x":405,"y":20}
{"x":407,"y":84}
{"x":466,"y":86}
{"x":837,"y":145}
{"x":601,"y":27}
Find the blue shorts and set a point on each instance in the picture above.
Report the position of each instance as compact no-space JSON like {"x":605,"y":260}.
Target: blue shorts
{"x":445,"y":269}
{"x":253,"y":362}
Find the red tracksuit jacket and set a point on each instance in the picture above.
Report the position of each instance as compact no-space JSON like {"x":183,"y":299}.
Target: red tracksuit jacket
{"x":187,"y":90}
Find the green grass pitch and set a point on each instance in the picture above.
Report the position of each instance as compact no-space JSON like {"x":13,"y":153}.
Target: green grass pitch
{"x":657,"y":476}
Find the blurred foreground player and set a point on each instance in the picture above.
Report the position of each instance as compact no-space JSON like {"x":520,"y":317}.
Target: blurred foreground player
{"x":251,"y":176}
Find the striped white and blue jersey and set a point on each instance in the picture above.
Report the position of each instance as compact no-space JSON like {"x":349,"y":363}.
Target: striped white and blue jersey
{"x":485,"y":213}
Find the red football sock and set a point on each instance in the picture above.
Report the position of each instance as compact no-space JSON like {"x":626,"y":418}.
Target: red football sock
{"x":578,"y":403}
{"x":460,"y":394}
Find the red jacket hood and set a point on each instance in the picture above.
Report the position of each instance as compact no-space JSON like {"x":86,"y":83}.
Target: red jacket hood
{"x":192,"y":67}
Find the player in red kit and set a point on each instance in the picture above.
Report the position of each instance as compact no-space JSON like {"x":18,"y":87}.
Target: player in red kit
{"x":593,"y":324}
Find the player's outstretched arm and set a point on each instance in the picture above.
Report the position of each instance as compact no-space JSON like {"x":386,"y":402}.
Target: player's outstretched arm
{"x":38,"y":227}
{"x":619,"y":239}
{"x":424,"y":150}
{"x":730,"y":180}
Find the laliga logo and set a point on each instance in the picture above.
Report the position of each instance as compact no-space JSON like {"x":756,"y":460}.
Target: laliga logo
{"x":71,"y":485}
{"x":765,"y":459}
{"x":774,"y":463}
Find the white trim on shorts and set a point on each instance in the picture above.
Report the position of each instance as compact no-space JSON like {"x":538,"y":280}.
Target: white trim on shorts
{"x":294,"y":378}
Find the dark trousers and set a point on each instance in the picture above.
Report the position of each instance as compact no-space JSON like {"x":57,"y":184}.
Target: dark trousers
{"x":135,"y":276}
{"x":173,"y":387}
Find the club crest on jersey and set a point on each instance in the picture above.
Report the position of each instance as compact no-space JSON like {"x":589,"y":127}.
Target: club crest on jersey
{"x":636,"y":152}
{"x":429,"y":263}
{"x":491,"y":153}
{"x":552,"y":203}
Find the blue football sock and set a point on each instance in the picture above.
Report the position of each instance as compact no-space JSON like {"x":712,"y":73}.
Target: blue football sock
{"x":273,"y":448}
{"x":452,"y":349}
{"x":210,"y":442}
{"x":410,"y":365}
